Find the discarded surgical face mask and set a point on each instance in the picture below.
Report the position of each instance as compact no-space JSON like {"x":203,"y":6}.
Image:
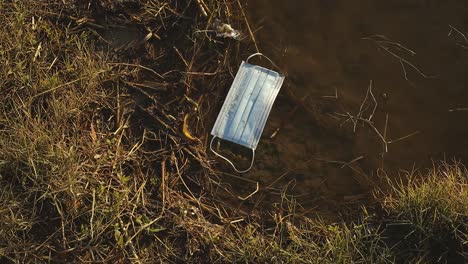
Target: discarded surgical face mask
{"x":244,"y":113}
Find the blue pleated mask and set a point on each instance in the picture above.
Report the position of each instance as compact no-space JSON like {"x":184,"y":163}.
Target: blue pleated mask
{"x":248,"y":103}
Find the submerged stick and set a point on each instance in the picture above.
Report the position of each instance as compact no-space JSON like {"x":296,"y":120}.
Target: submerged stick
{"x":248,"y":27}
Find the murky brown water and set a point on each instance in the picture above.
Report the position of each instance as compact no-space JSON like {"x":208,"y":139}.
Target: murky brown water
{"x":319,"y":45}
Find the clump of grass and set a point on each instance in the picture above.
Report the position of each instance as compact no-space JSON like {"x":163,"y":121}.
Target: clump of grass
{"x":67,"y":179}
{"x":83,"y":178}
{"x":427,"y":215}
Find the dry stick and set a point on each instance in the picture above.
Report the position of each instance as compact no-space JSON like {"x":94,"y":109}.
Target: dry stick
{"x":201,"y":73}
{"x":238,"y":177}
{"x":352,"y":161}
{"x":182,"y":179}
{"x":139,"y":66}
{"x":399,"y":46}
{"x":181,"y":57}
{"x":143,"y":228}
{"x":370,"y":123}
{"x":279,"y":178}
{"x":377,"y":132}
{"x":403,"y":68}
{"x":202,"y":8}
{"x":237,"y":221}
{"x":248,"y":27}
{"x":375,"y":102}
{"x":119,"y":110}
{"x":407,"y":62}
{"x":163,"y":184}
{"x":158,"y":87}
{"x":65,"y":84}
{"x":228,"y":11}
{"x":459,"y":32}
{"x":93,"y":208}
{"x":459,"y":109}
{"x":350,"y":118}
{"x":385,"y":46}
{"x":332,"y":96}
{"x":404,"y":137}
{"x":385,"y":137}
{"x":359,"y":114}
{"x":362,"y":180}
{"x":359,"y":117}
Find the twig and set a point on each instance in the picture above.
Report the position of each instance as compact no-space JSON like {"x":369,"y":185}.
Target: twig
{"x":332,"y":96}
{"x":364,"y":179}
{"x":202,"y":7}
{"x":382,"y":42}
{"x":404,"y":137}
{"x":181,"y":57}
{"x":352,"y":161}
{"x":91,"y":220}
{"x":248,"y":27}
{"x":237,"y":221}
{"x":201,"y":73}
{"x":458,"y":109}
{"x":139,"y":66}
{"x":385,"y":137}
{"x":68,"y":83}
{"x":452,"y":28}
{"x":361,"y":107}
{"x":375,"y":101}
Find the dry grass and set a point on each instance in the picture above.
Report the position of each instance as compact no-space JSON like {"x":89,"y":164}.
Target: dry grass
{"x":102,"y":150}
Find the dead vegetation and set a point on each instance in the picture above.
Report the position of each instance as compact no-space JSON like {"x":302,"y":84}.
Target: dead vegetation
{"x":103,"y":149}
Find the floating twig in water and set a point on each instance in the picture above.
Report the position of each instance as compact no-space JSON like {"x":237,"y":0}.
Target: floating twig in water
{"x":465,"y":45}
{"x":352,"y":161}
{"x":404,"y":137}
{"x":332,"y":96}
{"x":248,"y":27}
{"x":391,"y":47}
{"x":369,"y":122}
{"x":458,"y":109}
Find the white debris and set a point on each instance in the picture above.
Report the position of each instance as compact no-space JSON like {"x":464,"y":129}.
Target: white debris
{"x":225,"y":30}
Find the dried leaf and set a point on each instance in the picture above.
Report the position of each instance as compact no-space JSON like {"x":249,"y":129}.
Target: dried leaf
{"x":185,"y":129}
{"x":93,"y":133}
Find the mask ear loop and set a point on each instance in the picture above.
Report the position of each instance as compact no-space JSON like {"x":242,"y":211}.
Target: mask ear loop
{"x":232,"y":164}
{"x":261,"y":54}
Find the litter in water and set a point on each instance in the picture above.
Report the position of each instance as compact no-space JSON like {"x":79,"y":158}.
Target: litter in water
{"x":249,"y":101}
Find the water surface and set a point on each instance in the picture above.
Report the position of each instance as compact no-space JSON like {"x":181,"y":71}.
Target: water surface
{"x":322,"y":48}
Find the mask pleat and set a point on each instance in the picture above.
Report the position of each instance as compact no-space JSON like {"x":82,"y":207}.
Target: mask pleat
{"x":257,"y":102}
{"x":270,"y":96}
{"x":230,"y":106}
{"x":246,"y":88}
{"x":247,"y":121}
